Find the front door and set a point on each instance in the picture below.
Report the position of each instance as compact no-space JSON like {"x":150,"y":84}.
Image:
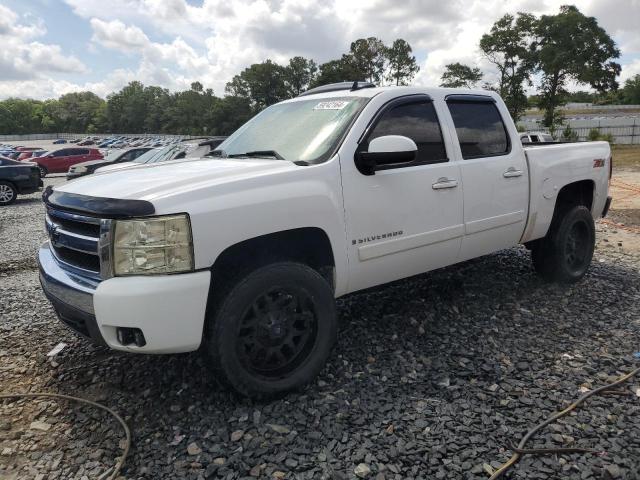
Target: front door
{"x":494,"y":174}
{"x":405,"y":220}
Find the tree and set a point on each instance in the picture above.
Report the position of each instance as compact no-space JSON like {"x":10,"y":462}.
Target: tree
{"x":228,"y":114}
{"x":402,"y":65}
{"x":75,"y":111}
{"x":631,"y":91}
{"x":573,"y":47}
{"x":509,"y":47}
{"x":262,"y":83}
{"x":457,"y":75}
{"x":299,"y":74}
{"x":335,"y":71}
{"x":369,"y":57}
{"x":127,"y":109}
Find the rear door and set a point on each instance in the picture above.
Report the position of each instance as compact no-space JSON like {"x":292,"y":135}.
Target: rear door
{"x":406,"y":219}
{"x":77,"y":155}
{"x":494,"y":174}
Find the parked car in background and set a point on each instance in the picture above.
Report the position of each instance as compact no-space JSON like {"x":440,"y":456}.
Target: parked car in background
{"x":59,"y":141}
{"x":536,"y":137}
{"x":17,"y":178}
{"x":112,"y":158}
{"x":29,"y":154}
{"x":84,"y":143}
{"x":59,"y":161}
{"x":173,"y":151}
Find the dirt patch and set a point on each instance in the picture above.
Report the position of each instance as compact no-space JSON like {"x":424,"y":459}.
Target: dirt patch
{"x":621,"y":229}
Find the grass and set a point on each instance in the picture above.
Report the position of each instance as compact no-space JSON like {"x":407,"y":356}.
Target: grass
{"x":626,"y":156}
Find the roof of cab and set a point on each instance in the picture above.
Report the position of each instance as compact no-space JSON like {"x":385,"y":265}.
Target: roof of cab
{"x":434,"y":92}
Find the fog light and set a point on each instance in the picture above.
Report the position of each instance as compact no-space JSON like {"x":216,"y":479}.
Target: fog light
{"x":130,"y":336}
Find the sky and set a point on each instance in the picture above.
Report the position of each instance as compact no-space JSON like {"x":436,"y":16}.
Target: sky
{"x":52,"y":47}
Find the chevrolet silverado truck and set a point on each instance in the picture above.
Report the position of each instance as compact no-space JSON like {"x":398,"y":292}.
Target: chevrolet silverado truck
{"x":343,"y":188}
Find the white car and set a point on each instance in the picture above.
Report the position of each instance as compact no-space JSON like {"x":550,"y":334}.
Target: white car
{"x":342,"y":188}
{"x":536,"y":137}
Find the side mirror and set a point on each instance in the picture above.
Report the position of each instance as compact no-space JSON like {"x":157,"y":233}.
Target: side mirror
{"x":386,"y":152}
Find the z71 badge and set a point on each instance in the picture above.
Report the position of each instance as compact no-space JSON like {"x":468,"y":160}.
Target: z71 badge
{"x":383,"y":236}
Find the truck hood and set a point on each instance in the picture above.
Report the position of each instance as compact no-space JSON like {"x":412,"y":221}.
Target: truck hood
{"x":151,"y":182}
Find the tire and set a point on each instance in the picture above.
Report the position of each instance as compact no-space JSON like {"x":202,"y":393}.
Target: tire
{"x":8,"y":193}
{"x":43,"y":171}
{"x":565,"y":254}
{"x":252,"y":330}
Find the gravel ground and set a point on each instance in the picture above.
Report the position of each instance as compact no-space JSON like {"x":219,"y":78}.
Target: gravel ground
{"x":433,"y":377}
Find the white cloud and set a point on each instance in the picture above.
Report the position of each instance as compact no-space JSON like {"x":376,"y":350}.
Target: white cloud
{"x":22,"y":58}
{"x":175,"y":42}
{"x":117,"y":35}
{"x":629,"y":70}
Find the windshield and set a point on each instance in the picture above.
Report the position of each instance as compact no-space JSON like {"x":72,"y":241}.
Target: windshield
{"x":159,"y":154}
{"x":147,"y":155}
{"x":305,"y":130}
{"x":113,"y":155}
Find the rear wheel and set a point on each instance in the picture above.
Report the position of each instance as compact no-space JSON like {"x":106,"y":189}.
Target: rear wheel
{"x":43,"y":171}
{"x":565,"y":254}
{"x":274,"y":330}
{"x":8,"y":193}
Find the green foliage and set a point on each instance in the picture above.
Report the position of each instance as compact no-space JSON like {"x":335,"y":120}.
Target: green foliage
{"x":573,"y":47}
{"x":631,"y":91}
{"x":569,"y":135}
{"x":457,"y":75}
{"x":508,"y":46}
{"x":335,"y":71}
{"x":402,"y":64}
{"x":299,"y":74}
{"x":262,"y":83}
{"x":595,"y":135}
{"x":369,"y":56}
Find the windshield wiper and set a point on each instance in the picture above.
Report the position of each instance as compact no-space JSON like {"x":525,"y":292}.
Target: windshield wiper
{"x":258,"y":153}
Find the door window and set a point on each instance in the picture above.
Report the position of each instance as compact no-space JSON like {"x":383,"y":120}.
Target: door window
{"x":481,"y":131}
{"x":419,"y":122}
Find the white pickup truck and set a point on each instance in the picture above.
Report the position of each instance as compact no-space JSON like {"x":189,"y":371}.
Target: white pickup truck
{"x":342,"y":188}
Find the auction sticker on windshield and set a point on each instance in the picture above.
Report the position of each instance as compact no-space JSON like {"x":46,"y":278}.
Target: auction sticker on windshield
{"x":332,"y":105}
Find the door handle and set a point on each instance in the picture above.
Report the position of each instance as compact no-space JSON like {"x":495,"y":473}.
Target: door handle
{"x":444,"y":182}
{"x":512,"y":172}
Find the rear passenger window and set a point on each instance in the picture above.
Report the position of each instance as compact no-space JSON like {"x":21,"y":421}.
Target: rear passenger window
{"x":419,"y":122}
{"x":481,"y":131}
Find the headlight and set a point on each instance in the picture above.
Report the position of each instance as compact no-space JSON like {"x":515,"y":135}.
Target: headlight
{"x":153,"y":245}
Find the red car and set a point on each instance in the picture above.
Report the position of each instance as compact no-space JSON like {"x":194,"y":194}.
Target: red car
{"x":30,"y":153}
{"x":59,"y":161}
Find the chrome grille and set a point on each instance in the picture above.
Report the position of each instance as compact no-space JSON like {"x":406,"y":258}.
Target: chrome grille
{"x":75,"y":241}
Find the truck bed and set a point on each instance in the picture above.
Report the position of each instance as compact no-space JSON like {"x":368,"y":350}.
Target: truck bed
{"x":554,"y":165}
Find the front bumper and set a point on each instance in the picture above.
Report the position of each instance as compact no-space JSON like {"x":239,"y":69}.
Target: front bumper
{"x":71,"y":296}
{"x":168,"y":309}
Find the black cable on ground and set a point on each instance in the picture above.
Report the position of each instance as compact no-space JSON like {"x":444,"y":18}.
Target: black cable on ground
{"x":520,"y":450}
{"x":113,"y":471}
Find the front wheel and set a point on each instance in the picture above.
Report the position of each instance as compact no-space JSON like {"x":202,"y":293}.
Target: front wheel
{"x":565,"y":254}
{"x":274,"y":330}
{"x":8,"y":193}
